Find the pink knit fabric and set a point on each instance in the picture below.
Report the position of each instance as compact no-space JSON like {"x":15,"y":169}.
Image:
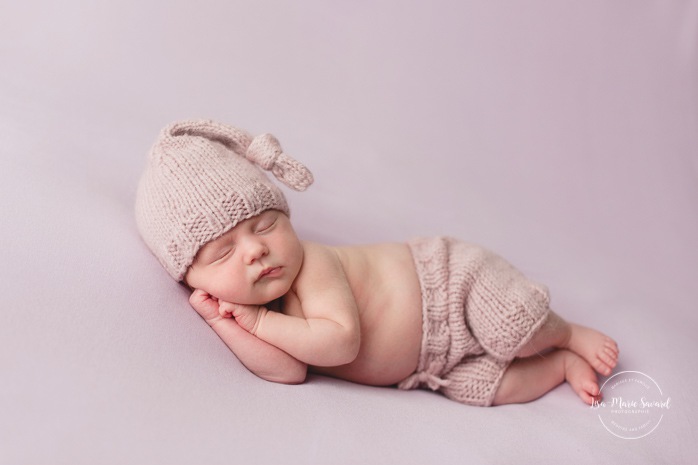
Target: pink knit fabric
{"x":202,"y":178}
{"x":478,"y":312}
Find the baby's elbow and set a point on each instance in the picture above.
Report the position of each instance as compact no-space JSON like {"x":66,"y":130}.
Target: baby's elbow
{"x":293,"y":378}
{"x":350,"y":344}
{"x":296,"y":375}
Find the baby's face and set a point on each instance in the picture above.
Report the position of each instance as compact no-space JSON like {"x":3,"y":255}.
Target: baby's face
{"x":253,"y":263}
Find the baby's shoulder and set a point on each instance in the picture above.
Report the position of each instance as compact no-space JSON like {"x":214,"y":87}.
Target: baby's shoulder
{"x":315,"y":251}
{"x":321,"y":270}
{"x":319,"y":260}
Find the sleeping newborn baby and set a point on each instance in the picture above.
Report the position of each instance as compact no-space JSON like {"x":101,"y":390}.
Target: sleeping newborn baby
{"x":434,"y":313}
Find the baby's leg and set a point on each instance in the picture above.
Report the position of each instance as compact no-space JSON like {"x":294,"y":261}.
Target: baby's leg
{"x":596,"y":348}
{"x":527,"y":379}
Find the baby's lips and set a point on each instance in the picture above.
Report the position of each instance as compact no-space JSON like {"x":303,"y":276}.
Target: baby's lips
{"x":267,"y":271}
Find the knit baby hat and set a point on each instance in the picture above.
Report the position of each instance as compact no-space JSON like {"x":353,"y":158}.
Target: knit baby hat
{"x":201,"y":179}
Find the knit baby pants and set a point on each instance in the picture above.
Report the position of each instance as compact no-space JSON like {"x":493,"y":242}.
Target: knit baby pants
{"x":478,"y":312}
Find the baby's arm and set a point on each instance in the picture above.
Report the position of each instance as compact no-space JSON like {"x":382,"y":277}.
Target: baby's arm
{"x":261,"y":358}
{"x":328,"y":333}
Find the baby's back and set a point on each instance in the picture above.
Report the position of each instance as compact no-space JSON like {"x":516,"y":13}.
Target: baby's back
{"x":387,"y":292}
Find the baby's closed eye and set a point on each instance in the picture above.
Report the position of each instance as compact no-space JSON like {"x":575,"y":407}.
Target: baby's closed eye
{"x":265,"y":225}
{"x":223,"y":253}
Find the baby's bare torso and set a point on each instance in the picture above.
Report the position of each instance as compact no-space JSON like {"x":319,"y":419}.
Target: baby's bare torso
{"x":387,"y":292}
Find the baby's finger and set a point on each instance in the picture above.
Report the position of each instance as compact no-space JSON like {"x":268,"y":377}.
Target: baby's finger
{"x":203,"y":302}
{"x":199,"y":295}
{"x":225,"y":312}
{"x":226,"y":309}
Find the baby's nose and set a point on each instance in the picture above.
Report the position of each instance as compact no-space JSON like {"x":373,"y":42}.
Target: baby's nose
{"x":255,"y":251}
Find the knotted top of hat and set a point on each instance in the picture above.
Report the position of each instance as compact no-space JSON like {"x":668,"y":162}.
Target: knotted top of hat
{"x":202,"y":178}
{"x":263,"y":150}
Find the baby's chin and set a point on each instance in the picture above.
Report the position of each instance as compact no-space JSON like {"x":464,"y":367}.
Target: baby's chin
{"x":269,"y":294}
{"x":277,"y":294}
{"x":269,"y":301}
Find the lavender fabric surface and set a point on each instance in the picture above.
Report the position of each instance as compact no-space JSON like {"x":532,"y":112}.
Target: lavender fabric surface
{"x":562,"y":135}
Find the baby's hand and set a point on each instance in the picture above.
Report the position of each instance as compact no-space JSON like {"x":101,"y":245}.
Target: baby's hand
{"x":246,"y":316}
{"x":205,"y":305}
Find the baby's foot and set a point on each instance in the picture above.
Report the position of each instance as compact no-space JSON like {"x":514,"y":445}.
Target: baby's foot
{"x":581,"y":377}
{"x":596,"y":348}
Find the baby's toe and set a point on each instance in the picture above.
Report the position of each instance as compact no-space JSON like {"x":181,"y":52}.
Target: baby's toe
{"x":592,"y":388}
{"x":602,"y":367}
{"x":608,"y":357}
{"x":589,"y":391}
{"x":611,"y":345}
